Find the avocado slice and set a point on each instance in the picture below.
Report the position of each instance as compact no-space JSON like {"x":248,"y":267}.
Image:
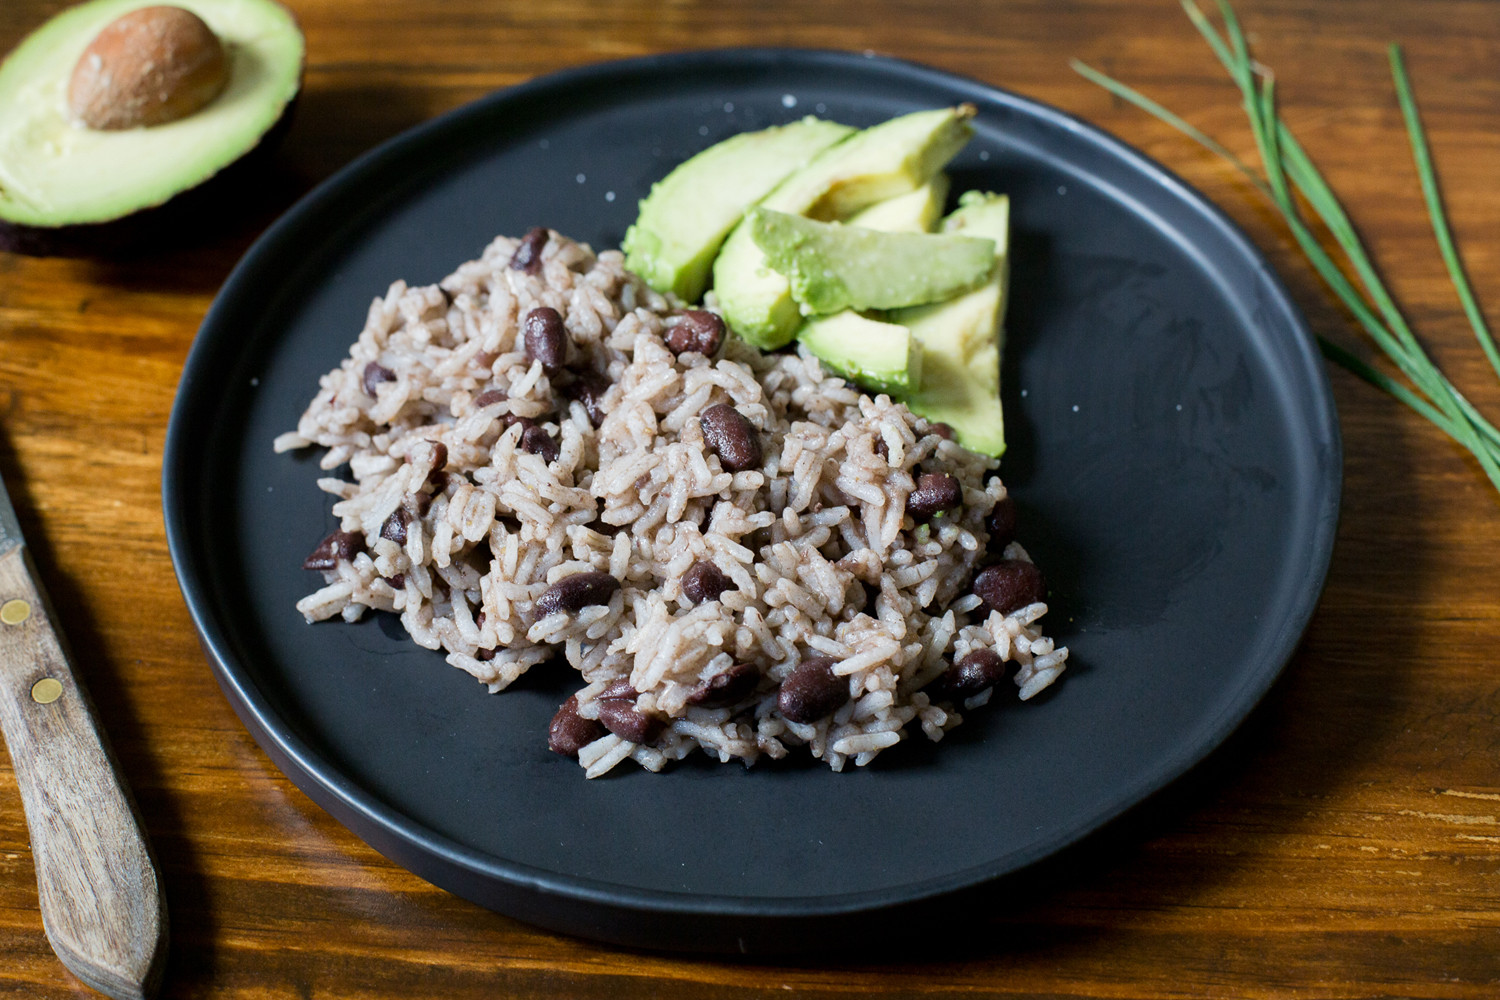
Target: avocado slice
{"x":873,"y":165}
{"x":831,"y":266}
{"x":881,"y":357}
{"x":915,"y":212}
{"x":684,"y":220}
{"x":961,"y":338}
{"x":66,"y":187}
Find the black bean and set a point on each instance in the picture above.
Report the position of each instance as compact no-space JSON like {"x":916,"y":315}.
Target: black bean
{"x":620,"y":690}
{"x":417,"y":503}
{"x":576,"y":592}
{"x":882,"y":449}
{"x":942,"y":430}
{"x":536,"y":441}
{"x":934,"y":492}
{"x":731,"y":436}
{"x":341,"y":546}
{"x":397,"y":582}
{"x":980,"y":669}
{"x":490,"y":397}
{"x":546,"y":338}
{"x":698,"y":330}
{"x":1010,"y":585}
{"x":376,"y":373}
{"x":704,"y":582}
{"x":619,"y":714}
{"x":484,"y":655}
{"x":438,"y":452}
{"x":1002,"y":524}
{"x":589,"y":389}
{"x":394,"y":528}
{"x":628,"y":722}
{"x":812,"y":691}
{"x":528,"y":256}
{"x":570,"y":732}
{"x":727,"y":687}
{"x":512,"y":419}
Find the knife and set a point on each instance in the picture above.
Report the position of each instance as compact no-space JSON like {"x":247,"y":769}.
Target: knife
{"x":101,"y":901}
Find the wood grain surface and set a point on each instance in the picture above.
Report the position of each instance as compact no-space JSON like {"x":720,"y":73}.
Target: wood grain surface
{"x":97,"y":886}
{"x":1345,"y":843}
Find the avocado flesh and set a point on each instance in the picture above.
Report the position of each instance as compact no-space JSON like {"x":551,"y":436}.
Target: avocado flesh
{"x":915,"y":212}
{"x":56,"y":173}
{"x":961,"y":339}
{"x":881,"y":357}
{"x":832,"y":266}
{"x":684,"y":220}
{"x":878,"y":163}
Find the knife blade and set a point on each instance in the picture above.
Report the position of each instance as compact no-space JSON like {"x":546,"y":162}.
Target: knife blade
{"x":102,"y":906}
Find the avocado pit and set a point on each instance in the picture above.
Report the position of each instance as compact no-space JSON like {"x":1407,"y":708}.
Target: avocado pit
{"x":126,"y":125}
{"x":148,"y":67}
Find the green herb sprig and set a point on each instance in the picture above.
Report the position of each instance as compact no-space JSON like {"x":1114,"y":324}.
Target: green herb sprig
{"x":1289,"y":171}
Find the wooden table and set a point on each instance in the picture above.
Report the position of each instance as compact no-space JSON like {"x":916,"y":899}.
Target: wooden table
{"x":1345,"y":844}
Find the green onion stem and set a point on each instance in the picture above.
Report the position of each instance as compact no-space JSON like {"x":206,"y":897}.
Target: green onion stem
{"x":1428,"y":176}
{"x":1381,"y":380}
{"x":1289,"y":169}
{"x":1271,"y":133}
{"x":1151,"y":107}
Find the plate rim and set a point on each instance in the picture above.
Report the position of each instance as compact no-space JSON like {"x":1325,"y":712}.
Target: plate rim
{"x":390,"y":830}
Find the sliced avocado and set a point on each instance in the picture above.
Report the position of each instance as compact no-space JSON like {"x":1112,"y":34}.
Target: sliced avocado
{"x":832,"y":266}
{"x":60,"y":179}
{"x":881,"y":357}
{"x":879,"y":163}
{"x":683,"y":221}
{"x":915,"y":212}
{"x":961,"y":339}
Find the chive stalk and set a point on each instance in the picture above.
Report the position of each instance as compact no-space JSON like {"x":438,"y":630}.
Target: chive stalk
{"x":1286,"y":172}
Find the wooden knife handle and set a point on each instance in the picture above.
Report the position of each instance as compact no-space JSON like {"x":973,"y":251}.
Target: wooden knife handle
{"x":101,"y":901}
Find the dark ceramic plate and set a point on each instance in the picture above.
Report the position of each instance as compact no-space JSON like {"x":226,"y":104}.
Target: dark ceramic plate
{"x":1174,"y":451}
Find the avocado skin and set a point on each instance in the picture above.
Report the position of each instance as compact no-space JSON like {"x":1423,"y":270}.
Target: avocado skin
{"x":181,"y":219}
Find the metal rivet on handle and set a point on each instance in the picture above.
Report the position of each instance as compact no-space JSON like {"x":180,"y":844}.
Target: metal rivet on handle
{"x":14,"y":612}
{"x":46,"y":691}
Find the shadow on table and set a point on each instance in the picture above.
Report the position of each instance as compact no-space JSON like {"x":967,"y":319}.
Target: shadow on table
{"x":1338,"y":706}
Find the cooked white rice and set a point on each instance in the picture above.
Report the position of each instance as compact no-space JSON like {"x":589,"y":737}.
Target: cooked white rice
{"x":823,"y":558}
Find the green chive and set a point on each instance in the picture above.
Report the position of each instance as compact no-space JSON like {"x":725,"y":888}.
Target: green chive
{"x":1289,"y":171}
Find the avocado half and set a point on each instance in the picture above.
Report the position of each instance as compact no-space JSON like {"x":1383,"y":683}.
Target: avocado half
{"x":66,"y":188}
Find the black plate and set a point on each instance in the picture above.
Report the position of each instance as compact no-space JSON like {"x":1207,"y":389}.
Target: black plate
{"x":1174,"y":451}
